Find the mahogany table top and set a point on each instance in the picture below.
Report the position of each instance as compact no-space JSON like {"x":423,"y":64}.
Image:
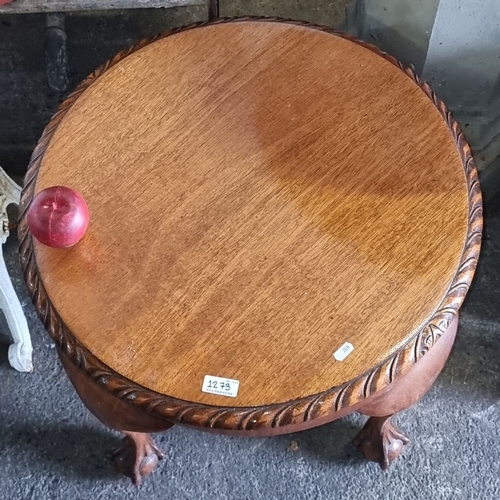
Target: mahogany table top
{"x":260,"y":194}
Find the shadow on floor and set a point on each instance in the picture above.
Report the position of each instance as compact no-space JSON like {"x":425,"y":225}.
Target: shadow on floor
{"x":76,"y":451}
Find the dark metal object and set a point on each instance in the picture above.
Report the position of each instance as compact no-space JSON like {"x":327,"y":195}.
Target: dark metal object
{"x":56,"y":54}
{"x":213,"y":9}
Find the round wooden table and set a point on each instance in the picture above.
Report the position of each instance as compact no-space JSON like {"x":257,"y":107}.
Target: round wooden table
{"x":284,"y":224}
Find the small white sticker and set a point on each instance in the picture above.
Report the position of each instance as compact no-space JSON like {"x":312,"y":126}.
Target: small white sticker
{"x":220,"y":386}
{"x":344,"y":351}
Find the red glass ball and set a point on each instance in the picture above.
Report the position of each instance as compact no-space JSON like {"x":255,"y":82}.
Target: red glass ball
{"x":58,"y":217}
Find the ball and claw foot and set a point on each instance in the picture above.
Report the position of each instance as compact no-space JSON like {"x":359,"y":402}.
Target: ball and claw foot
{"x":137,"y":457}
{"x":381,"y":441}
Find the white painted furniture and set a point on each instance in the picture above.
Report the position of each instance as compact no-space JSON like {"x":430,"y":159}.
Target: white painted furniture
{"x":20,"y":352}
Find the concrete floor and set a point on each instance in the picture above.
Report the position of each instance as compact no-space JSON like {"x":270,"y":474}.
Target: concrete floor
{"x":51,"y":447}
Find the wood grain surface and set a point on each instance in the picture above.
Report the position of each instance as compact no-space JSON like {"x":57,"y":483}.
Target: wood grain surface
{"x":260,"y":193}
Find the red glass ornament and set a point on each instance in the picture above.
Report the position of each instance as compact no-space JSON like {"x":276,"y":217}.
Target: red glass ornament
{"x":58,"y":217}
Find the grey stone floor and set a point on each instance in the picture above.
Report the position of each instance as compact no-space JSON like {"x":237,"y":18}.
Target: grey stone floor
{"x":51,"y":447}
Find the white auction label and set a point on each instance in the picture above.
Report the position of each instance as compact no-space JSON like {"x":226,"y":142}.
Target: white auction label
{"x":344,"y":351}
{"x":221,"y":386}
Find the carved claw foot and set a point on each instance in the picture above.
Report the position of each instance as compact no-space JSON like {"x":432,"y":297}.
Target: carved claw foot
{"x":137,"y":457}
{"x":381,"y":441}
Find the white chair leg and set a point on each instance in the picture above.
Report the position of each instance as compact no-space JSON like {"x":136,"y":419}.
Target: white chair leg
{"x":20,"y":353}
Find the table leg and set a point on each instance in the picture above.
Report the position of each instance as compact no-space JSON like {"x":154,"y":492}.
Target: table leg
{"x":380,"y":440}
{"x":138,"y":456}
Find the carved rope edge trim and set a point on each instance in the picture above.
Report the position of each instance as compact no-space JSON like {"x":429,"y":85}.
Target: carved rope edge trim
{"x":273,"y":415}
